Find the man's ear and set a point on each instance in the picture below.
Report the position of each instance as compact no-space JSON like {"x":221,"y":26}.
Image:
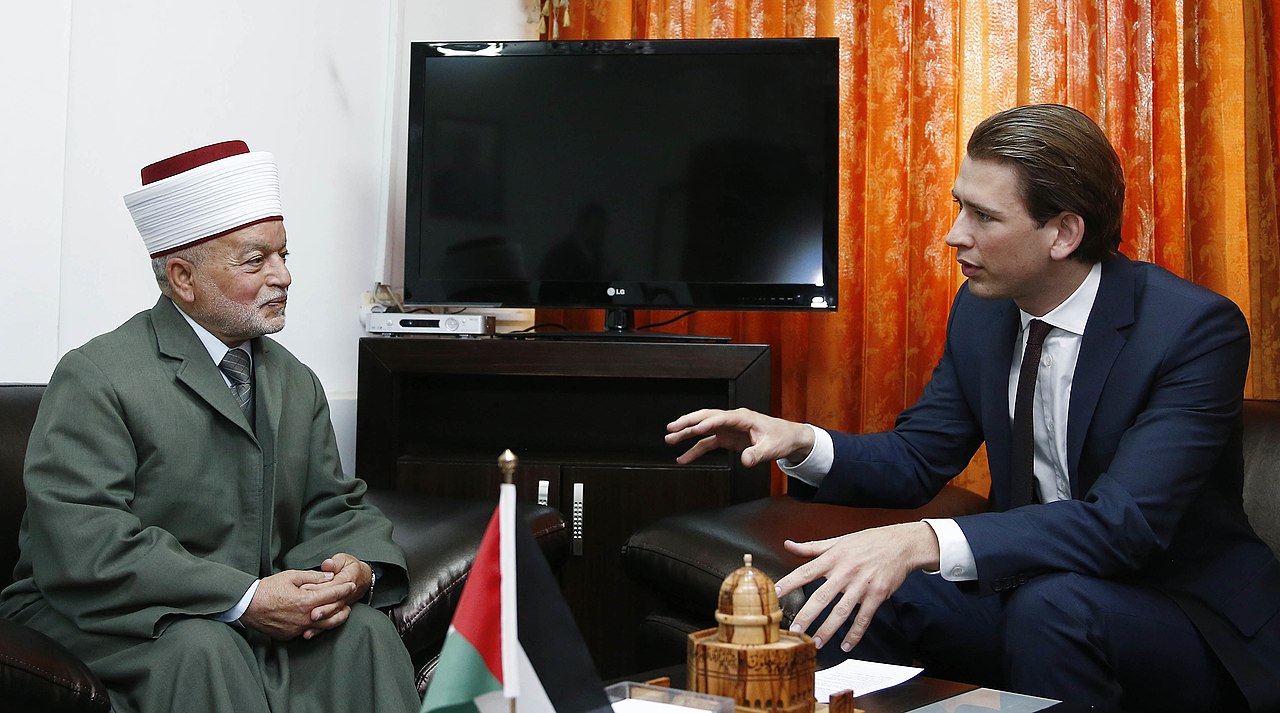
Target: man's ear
{"x":1069,"y":235}
{"x":182,"y":279}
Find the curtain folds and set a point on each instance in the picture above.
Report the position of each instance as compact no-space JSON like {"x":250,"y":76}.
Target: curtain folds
{"x":1185,"y":89}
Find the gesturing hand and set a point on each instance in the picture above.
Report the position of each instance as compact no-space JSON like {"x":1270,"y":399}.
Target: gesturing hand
{"x":760,"y":438}
{"x":863,"y":569}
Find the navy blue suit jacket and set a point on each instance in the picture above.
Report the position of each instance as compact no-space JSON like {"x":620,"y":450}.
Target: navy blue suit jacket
{"x":1154,"y":457}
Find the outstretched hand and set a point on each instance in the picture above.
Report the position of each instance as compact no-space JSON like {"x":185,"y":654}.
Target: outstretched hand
{"x":863,"y":569}
{"x":760,"y":438}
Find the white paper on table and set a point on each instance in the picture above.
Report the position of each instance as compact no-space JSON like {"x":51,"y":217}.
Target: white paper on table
{"x":862,"y":677}
{"x":637,"y":705}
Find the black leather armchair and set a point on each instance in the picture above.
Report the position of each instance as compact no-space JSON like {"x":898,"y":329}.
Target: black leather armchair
{"x":683,"y":559}
{"x":439,"y":537}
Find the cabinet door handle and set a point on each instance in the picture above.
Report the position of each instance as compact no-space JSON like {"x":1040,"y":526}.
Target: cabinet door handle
{"x":544,"y":491}
{"x":576,"y":538}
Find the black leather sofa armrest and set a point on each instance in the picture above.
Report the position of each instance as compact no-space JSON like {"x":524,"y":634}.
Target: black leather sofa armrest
{"x":685,"y":558}
{"x":38,"y":674}
{"x":440,"y":537}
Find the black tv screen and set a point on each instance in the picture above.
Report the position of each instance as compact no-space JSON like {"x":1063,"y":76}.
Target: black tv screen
{"x":696,"y":174}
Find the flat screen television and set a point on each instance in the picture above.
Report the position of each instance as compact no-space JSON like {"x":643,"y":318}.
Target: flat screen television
{"x":620,"y":175}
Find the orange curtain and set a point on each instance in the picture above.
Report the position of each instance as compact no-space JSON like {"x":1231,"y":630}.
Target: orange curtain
{"x":1186,"y":90}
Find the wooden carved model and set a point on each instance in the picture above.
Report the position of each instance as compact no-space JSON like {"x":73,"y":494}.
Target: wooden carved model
{"x":748,"y":657}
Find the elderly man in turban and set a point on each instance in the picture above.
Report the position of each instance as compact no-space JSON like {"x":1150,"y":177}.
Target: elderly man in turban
{"x":189,"y":532}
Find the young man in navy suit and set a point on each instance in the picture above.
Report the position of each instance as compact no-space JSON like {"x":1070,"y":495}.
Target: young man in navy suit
{"x":1116,"y":567}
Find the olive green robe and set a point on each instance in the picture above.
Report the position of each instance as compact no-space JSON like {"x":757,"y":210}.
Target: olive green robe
{"x":151,"y":501}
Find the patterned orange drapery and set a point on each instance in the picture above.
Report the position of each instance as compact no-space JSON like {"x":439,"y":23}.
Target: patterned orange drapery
{"x":1186,"y":90}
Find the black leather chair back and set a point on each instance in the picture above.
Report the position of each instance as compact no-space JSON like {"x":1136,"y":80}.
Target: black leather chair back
{"x":17,"y":414}
{"x":1262,"y":469}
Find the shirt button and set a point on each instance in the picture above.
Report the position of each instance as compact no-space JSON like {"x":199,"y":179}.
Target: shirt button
{"x":1047,"y":360}
{"x":957,"y":570}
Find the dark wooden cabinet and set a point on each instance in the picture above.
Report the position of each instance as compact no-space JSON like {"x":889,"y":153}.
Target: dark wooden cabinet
{"x":585,"y":418}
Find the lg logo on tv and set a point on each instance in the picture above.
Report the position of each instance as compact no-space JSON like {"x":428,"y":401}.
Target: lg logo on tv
{"x":615,"y":292}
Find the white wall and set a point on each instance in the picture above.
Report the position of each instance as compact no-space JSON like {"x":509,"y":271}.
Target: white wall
{"x":107,"y":86}
{"x":34,"y":50}
{"x":435,"y":21}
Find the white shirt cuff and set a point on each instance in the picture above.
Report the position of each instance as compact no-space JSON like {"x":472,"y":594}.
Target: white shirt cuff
{"x":234,"y":613}
{"x":955,"y":557}
{"x":815,"y":467}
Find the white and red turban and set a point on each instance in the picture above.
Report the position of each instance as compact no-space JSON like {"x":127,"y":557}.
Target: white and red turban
{"x":204,"y":194}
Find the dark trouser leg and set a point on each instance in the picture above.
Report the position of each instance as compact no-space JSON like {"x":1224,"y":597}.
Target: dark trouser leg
{"x":1110,"y":645}
{"x":947,"y":628}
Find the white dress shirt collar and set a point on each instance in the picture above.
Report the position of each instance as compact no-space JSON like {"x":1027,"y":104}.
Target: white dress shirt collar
{"x":212,"y":344}
{"x":1073,"y":314}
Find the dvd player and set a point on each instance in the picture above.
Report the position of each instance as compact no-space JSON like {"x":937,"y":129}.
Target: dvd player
{"x":409,"y":323}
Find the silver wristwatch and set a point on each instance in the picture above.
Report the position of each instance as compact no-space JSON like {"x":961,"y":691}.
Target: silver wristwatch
{"x":373,"y":579}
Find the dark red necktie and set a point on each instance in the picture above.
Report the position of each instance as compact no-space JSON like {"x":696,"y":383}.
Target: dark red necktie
{"x":1022,"y":456}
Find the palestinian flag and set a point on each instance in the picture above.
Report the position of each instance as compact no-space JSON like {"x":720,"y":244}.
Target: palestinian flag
{"x":496,"y":662}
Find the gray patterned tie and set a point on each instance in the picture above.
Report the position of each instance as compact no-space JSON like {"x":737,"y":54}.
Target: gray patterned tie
{"x":236,"y":366}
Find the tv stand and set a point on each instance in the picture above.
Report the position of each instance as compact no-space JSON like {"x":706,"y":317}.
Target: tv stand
{"x":587,"y":421}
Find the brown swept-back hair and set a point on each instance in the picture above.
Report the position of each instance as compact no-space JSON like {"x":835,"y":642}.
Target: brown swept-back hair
{"x":1064,"y":164}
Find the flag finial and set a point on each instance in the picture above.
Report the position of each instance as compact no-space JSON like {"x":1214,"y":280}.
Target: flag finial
{"x":508,"y":462}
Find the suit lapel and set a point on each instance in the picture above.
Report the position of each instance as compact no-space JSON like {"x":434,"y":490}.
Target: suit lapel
{"x":268,"y":393}
{"x":175,"y":340}
{"x":1105,"y":335}
{"x":995,"y":390}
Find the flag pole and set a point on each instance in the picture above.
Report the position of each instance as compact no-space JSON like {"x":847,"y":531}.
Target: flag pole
{"x":507,"y":463}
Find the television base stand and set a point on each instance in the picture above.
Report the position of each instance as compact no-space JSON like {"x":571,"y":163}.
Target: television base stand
{"x":620,"y":326}
{"x":615,"y":336}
